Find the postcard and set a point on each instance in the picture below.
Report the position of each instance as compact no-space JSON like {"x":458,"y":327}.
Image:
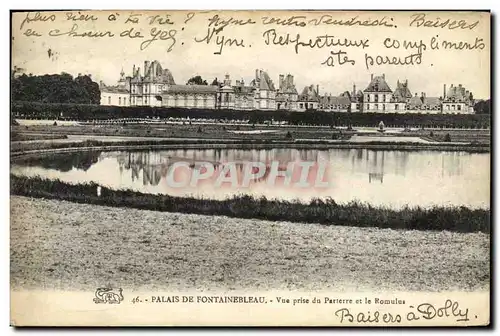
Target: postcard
{"x":250,"y":168}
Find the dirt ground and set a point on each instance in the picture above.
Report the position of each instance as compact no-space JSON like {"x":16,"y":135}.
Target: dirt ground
{"x":62,"y":245}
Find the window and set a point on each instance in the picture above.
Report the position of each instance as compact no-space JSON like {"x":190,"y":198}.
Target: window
{"x":383,"y":98}
{"x":109,"y":100}
{"x":119,"y":100}
{"x":396,"y":106}
{"x":376,"y":106}
{"x":301,"y":105}
{"x":459,"y":107}
{"x":124,"y":101}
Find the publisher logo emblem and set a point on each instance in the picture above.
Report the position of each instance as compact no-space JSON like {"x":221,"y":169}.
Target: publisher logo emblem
{"x":108,"y":295}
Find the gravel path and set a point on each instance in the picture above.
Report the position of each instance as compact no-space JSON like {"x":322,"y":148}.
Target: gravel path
{"x":62,"y":245}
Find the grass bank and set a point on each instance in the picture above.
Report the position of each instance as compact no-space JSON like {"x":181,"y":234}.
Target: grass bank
{"x":458,"y":219}
{"x":15,"y":136}
{"x":20,"y":147}
{"x":237,"y":132}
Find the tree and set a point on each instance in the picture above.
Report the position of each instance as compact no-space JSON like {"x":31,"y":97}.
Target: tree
{"x":482,"y":107}
{"x":216,"y":82}
{"x":196,"y":80}
{"x":56,"y":89}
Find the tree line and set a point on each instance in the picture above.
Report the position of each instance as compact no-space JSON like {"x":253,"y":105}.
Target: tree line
{"x":482,"y":107}
{"x":56,"y":88}
{"x":33,"y":110}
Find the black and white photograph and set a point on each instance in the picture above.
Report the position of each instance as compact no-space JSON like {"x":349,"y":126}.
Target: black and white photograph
{"x":250,"y":168}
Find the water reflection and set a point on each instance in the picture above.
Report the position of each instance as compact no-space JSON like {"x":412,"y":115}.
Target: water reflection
{"x":391,"y":178}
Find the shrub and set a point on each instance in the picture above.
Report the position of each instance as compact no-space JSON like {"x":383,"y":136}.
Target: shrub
{"x":326,"y":212}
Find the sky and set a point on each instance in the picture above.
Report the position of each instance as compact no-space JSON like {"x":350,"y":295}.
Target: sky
{"x":105,"y":57}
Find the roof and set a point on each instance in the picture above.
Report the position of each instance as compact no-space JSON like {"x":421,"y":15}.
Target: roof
{"x":402,"y":92}
{"x":309,"y":93}
{"x":192,"y":89}
{"x":415,"y":101}
{"x":457,"y":93}
{"x":432,"y":101}
{"x":424,"y":101}
{"x":357,"y":97}
{"x":378,"y":84}
{"x":335,"y":100}
{"x":154,"y":73}
{"x":243,"y":89}
{"x":226,"y":88}
{"x":114,"y":89}
{"x":287,"y":86}
{"x":263,"y":81}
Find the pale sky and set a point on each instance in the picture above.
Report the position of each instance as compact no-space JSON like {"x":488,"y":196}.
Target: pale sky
{"x":105,"y":57}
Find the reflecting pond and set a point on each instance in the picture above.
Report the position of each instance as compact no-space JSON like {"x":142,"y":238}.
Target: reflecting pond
{"x":378,"y":177}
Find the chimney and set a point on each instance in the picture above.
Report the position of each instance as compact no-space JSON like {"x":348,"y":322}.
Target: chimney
{"x":282,"y":81}
{"x":146,"y":66}
{"x":459,"y":85}
{"x":444,"y":91}
{"x":372,"y":77}
{"x":317,"y":90}
{"x":256,"y":74}
{"x":133,"y":71}
{"x":406,"y":82}
{"x":242,"y":82}
{"x":353,"y":89}
{"x":383,"y":76}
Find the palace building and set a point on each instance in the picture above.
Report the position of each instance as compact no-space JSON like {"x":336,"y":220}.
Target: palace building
{"x":155,"y":86}
{"x":116,"y":95}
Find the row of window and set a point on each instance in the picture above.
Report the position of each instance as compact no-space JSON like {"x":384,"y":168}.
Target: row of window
{"x":145,"y":89}
{"x":375,"y":100}
{"x":121,"y":100}
{"x":453,"y":107}
{"x":338,"y":107}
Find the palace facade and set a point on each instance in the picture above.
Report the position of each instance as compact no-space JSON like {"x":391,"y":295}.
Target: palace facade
{"x":155,"y":86}
{"x":116,"y":95}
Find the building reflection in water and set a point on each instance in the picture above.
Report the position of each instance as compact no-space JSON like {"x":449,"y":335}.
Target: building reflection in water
{"x":157,"y":165}
{"x":376,"y":169}
{"x":394,"y":178}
